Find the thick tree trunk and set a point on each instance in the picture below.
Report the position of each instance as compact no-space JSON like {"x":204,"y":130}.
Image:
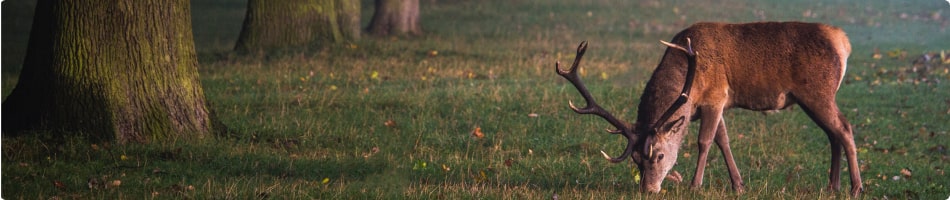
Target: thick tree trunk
{"x":395,"y":17}
{"x":282,"y":24}
{"x":122,"y":70}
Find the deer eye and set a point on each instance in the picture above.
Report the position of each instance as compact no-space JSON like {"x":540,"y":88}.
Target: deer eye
{"x":659,"y":157}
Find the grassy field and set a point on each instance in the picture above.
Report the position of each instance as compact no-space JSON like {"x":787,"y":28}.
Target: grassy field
{"x":393,"y":118}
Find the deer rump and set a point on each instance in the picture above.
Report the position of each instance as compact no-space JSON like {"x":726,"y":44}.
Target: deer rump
{"x":755,"y":66}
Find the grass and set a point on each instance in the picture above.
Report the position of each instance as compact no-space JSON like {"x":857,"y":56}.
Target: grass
{"x":385,"y":118}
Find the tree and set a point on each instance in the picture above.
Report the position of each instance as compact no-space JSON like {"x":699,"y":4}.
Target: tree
{"x":395,"y":17}
{"x":298,"y":23}
{"x":122,"y":70}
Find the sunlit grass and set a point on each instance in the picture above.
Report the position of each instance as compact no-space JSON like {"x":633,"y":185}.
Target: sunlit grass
{"x":393,"y":117}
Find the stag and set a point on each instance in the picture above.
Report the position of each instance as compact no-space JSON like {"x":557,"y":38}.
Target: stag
{"x":757,"y":66}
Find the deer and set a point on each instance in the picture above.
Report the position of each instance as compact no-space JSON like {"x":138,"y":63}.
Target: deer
{"x":710,"y":67}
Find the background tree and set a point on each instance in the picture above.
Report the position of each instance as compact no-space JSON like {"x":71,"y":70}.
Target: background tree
{"x":114,"y":69}
{"x":298,"y":23}
{"x":395,"y":17}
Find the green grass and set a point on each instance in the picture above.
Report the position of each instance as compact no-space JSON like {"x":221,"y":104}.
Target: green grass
{"x":308,"y":123}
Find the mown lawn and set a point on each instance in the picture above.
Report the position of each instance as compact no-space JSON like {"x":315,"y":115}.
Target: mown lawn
{"x":394,"y":117}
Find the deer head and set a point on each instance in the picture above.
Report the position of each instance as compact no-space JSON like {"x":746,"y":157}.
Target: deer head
{"x":652,"y":139}
{"x":757,"y":66}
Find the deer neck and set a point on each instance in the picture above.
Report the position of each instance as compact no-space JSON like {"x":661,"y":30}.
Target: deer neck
{"x":662,"y":90}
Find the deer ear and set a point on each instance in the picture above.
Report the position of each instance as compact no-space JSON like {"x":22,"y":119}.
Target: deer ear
{"x":671,"y":127}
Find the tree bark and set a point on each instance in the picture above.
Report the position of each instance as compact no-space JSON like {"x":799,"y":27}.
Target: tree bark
{"x":122,"y":70}
{"x":395,"y":17}
{"x":271,"y":25}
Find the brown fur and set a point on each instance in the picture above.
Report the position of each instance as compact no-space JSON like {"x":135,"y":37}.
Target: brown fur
{"x":756,"y":66}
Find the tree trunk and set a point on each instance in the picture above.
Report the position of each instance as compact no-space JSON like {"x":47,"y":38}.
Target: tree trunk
{"x":271,"y":25}
{"x":122,"y":70}
{"x":395,"y":17}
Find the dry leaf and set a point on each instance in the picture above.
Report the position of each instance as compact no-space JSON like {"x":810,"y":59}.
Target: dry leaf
{"x":115,"y":183}
{"x":390,"y":123}
{"x":478,"y":133}
{"x":59,"y":184}
{"x":906,"y":172}
{"x":371,"y":152}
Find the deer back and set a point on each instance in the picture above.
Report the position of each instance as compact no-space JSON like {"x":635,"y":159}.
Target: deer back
{"x":754,"y":66}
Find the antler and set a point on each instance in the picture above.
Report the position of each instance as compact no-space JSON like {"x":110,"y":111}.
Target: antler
{"x":690,"y":73}
{"x":592,"y":107}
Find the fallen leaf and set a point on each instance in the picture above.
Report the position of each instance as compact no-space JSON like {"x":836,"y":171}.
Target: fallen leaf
{"x":390,"y":123}
{"x":59,"y":184}
{"x":419,"y":165}
{"x":478,"y":133}
{"x":371,"y":152}
{"x":481,"y":176}
{"x":635,"y":172}
{"x":533,"y":115}
{"x":508,"y":162}
{"x":115,"y":183}
{"x":906,"y":172}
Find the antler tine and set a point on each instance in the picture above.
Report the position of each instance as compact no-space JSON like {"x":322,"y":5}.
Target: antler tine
{"x":581,"y":49}
{"x":592,"y":106}
{"x":688,"y":49}
{"x":626,"y":153}
{"x":687,"y":86}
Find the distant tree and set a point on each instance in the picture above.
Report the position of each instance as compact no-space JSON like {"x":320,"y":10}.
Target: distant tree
{"x":122,"y":70}
{"x":395,"y":17}
{"x":298,"y":23}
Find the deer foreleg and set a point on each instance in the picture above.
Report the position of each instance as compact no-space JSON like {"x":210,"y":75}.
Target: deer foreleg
{"x":707,"y":132}
{"x":722,"y":140}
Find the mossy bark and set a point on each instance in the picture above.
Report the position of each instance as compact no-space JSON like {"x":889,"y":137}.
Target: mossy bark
{"x":270,"y":25}
{"x":395,"y":17}
{"x":122,"y":70}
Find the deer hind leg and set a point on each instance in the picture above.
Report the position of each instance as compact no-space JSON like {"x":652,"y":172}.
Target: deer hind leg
{"x":722,"y":140}
{"x":711,"y":116}
{"x":825,"y":113}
